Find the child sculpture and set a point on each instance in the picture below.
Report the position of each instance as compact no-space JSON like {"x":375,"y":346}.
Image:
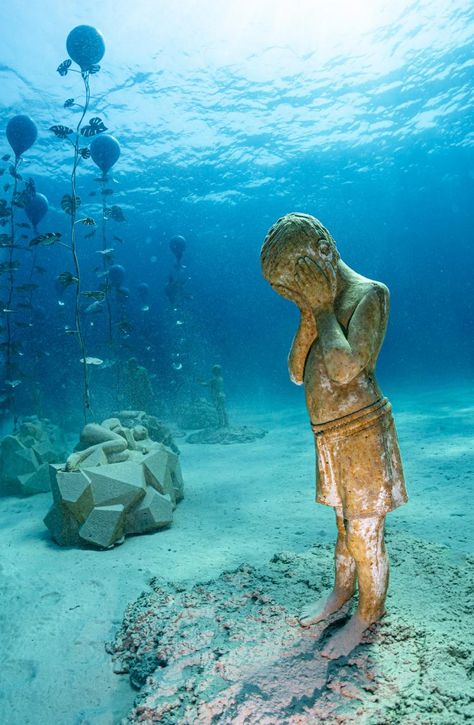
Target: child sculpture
{"x":359,"y":472}
{"x":216,"y":387}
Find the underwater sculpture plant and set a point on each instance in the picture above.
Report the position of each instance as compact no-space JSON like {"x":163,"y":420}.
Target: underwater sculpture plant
{"x":85,"y":46}
{"x":105,"y":152}
{"x":21,"y":133}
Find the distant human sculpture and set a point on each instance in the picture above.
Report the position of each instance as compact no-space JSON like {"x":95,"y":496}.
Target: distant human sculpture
{"x":359,"y":472}
{"x":140,"y":395}
{"x":216,"y":388}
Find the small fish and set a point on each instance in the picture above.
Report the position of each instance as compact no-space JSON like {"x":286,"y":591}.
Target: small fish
{"x":108,"y":192}
{"x":94,"y":294}
{"x":7,"y":187}
{"x":23,"y":324}
{"x":25,"y":306}
{"x":118,"y":239}
{"x":40,"y":270}
{"x":94,"y":308}
{"x":66,"y":279}
{"x":24,"y":225}
{"x":91,"y":234}
{"x":91,"y":360}
{"x":12,"y":383}
{"x":5,"y":157}
{"x":93,"y":193}
{"x":105,"y":252}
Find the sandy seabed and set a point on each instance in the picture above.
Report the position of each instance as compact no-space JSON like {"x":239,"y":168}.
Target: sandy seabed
{"x":247,"y":660}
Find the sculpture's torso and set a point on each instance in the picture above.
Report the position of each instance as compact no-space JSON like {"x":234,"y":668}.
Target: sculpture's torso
{"x":325,"y":399}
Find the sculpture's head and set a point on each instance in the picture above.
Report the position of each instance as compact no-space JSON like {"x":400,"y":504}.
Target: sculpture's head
{"x":293,"y":236}
{"x":216,"y":370}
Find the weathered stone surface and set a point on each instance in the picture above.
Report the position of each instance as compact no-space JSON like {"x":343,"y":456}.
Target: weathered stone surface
{"x":46,"y":451}
{"x":97,"y":458}
{"x":22,"y":461}
{"x":73,"y":490}
{"x":36,"y":442}
{"x":63,"y":528}
{"x":104,"y":526}
{"x":37,"y":482}
{"x":157,"y":467}
{"x":98,"y":504}
{"x":154,"y":512}
{"x":177,"y":478}
{"x":117,"y":483}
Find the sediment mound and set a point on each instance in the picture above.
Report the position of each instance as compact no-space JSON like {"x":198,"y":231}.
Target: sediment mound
{"x":230,"y":651}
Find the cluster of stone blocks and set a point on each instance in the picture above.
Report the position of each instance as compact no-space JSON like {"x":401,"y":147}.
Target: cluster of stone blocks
{"x":101,"y":504}
{"x":26,"y":455}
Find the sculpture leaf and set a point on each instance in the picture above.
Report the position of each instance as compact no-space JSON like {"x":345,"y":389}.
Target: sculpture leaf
{"x":70,"y":205}
{"x":95,"y":126}
{"x":61,"y":131}
{"x":63,"y":67}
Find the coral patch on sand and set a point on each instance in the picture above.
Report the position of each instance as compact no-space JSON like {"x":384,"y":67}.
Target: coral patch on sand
{"x":231,"y":651}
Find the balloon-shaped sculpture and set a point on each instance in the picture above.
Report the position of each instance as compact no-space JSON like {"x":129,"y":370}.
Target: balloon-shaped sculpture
{"x":177,"y":246}
{"x":85,"y":46}
{"x":105,"y":150}
{"x":21,"y":134}
{"x":116,"y":275}
{"x":35,"y":208}
{"x":123,"y":292}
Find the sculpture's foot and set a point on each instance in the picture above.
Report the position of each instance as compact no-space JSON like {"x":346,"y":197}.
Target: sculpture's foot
{"x":324,"y":608}
{"x":347,"y":638}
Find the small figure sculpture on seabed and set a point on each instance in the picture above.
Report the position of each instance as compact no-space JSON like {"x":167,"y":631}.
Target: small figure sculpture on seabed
{"x":140,"y":394}
{"x":359,"y":472}
{"x":216,"y":388}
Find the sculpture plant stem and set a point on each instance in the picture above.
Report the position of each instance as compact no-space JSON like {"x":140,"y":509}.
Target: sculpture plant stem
{"x":104,"y":260}
{"x":11,"y":280}
{"x":77,"y":309}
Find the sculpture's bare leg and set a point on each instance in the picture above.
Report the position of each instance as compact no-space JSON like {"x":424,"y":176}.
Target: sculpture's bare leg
{"x":344,"y":584}
{"x":365,"y":541}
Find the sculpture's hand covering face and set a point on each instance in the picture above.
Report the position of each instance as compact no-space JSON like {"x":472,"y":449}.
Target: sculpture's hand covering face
{"x":299,"y":259}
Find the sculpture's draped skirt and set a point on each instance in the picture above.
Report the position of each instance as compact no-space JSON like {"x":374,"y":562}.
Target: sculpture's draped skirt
{"x":358,"y":464}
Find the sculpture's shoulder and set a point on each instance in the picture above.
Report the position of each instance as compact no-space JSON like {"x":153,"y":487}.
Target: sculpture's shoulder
{"x":372,"y":290}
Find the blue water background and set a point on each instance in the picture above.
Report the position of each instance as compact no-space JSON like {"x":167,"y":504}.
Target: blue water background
{"x":231,"y":115}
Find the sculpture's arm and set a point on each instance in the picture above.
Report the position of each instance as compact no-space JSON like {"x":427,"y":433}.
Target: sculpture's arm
{"x":306,"y":333}
{"x":345,"y":358}
{"x":304,"y":338}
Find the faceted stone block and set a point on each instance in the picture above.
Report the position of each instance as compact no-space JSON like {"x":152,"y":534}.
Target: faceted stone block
{"x":47,"y":452}
{"x":154,"y":512}
{"x":19,"y":463}
{"x":177,"y":479}
{"x":117,"y":483}
{"x":104,"y":526}
{"x":62,"y":527}
{"x":96,"y":458}
{"x":37,"y":482}
{"x":157,"y":468}
{"x":73,"y":490}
